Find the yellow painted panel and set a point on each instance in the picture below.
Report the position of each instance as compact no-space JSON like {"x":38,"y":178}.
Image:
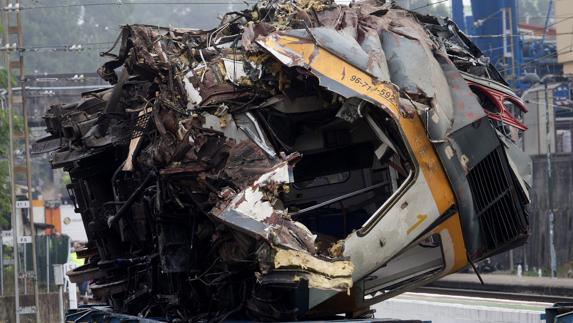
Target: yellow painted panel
{"x":428,"y":162}
{"x":336,"y":69}
{"x":454,"y":228}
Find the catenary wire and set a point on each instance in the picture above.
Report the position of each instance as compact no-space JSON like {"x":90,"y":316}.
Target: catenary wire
{"x":120,"y":3}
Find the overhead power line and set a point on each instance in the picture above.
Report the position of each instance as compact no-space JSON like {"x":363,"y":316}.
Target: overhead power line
{"x":17,"y":7}
{"x":501,"y":35}
{"x":430,"y":4}
{"x":559,"y":21}
{"x":79,"y":47}
{"x":564,"y":50}
{"x":61,"y":88}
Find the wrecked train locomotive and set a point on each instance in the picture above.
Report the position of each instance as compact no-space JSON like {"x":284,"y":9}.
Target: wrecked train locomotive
{"x":301,"y":160}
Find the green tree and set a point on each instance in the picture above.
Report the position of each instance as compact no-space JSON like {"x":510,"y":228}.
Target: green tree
{"x":51,"y":26}
{"x":5,"y":203}
{"x":5,"y":195}
{"x":97,"y":26}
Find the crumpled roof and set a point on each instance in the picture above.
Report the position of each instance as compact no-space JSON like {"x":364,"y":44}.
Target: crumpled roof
{"x":391,"y":44}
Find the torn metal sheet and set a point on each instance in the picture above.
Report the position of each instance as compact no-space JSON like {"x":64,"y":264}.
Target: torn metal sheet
{"x":343,"y":79}
{"x":299,"y":153}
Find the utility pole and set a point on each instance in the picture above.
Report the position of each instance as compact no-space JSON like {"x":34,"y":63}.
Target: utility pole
{"x":12,"y":168}
{"x":549,"y":132}
{"x":508,"y":49}
{"x":14,"y":44}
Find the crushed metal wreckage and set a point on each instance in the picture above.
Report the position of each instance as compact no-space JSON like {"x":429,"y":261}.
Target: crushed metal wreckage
{"x":303,"y":159}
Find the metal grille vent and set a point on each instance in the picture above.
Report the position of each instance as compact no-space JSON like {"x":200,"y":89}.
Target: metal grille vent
{"x":139,"y":125}
{"x":497,"y":204}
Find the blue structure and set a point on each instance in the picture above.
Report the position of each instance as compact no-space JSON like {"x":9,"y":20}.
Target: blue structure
{"x":511,"y":55}
{"x":490,"y":16}
{"x":458,"y":14}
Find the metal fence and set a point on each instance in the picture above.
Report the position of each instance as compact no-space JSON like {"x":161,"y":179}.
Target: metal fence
{"x":51,"y":250}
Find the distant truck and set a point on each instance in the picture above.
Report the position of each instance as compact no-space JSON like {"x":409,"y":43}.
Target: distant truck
{"x":62,"y":219}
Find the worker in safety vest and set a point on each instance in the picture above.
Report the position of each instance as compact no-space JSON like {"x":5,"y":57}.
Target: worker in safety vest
{"x":75,"y":262}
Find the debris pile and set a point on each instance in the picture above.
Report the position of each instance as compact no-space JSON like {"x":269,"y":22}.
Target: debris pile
{"x":248,"y":171}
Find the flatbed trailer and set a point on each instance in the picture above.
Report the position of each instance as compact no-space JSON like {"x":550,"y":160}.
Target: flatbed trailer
{"x":104,"y":314}
{"x":558,"y":313}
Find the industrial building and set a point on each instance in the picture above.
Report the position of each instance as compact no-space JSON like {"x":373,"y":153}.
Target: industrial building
{"x":564,"y":26}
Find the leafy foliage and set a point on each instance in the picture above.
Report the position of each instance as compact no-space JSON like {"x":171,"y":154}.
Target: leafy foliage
{"x":5,"y":205}
{"x":96,"y":27}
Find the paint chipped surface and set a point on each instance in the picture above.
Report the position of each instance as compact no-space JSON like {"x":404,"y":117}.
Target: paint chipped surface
{"x":325,"y":274}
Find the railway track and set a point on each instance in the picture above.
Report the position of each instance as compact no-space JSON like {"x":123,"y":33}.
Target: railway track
{"x":529,"y":297}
